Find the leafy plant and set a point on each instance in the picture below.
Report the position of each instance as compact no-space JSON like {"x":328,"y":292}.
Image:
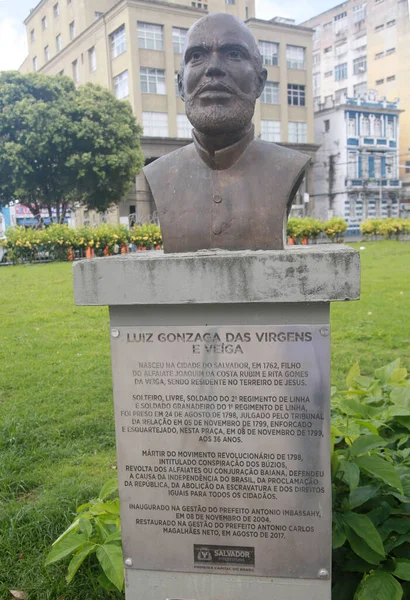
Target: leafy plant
{"x":335,"y":228}
{"x":95,"y":531}
{"x":371,"y":486}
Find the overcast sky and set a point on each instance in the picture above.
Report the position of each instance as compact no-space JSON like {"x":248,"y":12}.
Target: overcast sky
{"x":13,"y":47}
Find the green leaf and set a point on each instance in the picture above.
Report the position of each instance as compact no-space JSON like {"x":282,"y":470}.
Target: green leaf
{"x":405,"y":421}
{"x":384,"y":373}
{"x":399,"y":375}
{"x":71,"y":529}
{"x":379,"y":585}
{"x":65,"y":546}
{"x":369,"y":425}
{"x":359,"y":546}
{"x":111,"y":561}
{"x":351,"y":474}
{"x":402,"y":570}
{"x":351,"y":406}
{"x":352,"y":374}
{"x":365,"y":529}
{"x":114,"y":537}
{"x":105,"y":583}
{"x":364,"y":443}
{"x":78,"y":560}
{"x":335,"y":463}
{"x":382,"y":469}
{"x":338,"y":532}
{"x":85,"y":527}
{"x":362,"y":494}
{"x":108,"y":488}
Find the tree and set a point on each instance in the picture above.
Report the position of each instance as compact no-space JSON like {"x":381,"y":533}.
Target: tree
{"x":61,"y":146}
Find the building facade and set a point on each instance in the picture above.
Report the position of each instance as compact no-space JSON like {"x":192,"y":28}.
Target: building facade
{"x":360,"y":45}
{"x":134,"y":48}
{"x":356,"y":175}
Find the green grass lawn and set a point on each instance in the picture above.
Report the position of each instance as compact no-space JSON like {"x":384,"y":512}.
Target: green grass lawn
{"x":57,"y":442}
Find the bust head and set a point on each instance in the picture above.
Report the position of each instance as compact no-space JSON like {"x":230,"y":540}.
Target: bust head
{"x":221,"y":75}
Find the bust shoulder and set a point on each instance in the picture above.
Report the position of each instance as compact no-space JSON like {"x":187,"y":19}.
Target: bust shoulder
{"x":269,"y":151}
{"x":170,"y":161}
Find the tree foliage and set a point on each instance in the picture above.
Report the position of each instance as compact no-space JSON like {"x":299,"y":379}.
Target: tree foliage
{"x":61,"y":146}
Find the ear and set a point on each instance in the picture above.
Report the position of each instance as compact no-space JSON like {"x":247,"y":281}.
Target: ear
{"x":262,"y":75}
{"x":181,"y":85}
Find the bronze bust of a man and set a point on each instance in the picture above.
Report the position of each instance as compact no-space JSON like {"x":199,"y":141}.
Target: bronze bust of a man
{"x":227,"y":190}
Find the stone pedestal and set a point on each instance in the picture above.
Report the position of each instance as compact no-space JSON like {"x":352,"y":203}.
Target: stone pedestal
{"x":262,"y":308}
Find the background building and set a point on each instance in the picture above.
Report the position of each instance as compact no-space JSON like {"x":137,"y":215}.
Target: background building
{"x":361,"y":45}
{"x":356,"y":175}
{"x":134,"y":48}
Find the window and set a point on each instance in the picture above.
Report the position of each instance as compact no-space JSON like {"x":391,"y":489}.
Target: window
{"x":391,"y":23}
{"x":270,"y":94}
{"x":316,"y":33}
{"x":407,"y":166}
{"x":176,"y":83}
{"x":270,"y":131}
{"x":359,"y":13}
{"x":46,"y":53}
{"x":365,"y":126}
{"x":390,"y":165}
{"x":152,"y":81}
{"x":379,"y":55}
{"x":327,"y":50}
{"x":118,"y":42}
{"x":340,"y":22}
{"x":390,"y":129}
{"x":316,"y":84}
{"x":35,"y":64}
{"x":359,"y":89}
{"x":121,"y":85}
{"x":351,"y":127}
{"x":351,"y":165}
{"x":74,"y":65}
{"x":56,"y":9}
{"x":379,"y":81}
{"x":391,"y":78}
{"x":92,"y":59}
{"x":269,"y":52}
{"x":341,"y":49}
{"x":32,"y":35}
{"x":359,"y":65}
{"x":44,"y":23}
{"x":297,"y":132}
{"x":379,"y":27}
{"x":340,"y":94}
{"x":360,"y":43}
{"x":178,"y":39}
{"x":155,"y":124}
{"x":72,"y":30}
{"x":295,"y":57}
{"x":98,"y":15}
{"x":390,"y":51}
{"x":326,"y":123}
{"x":150,"y":36}
{"x":316,"y":59}
{"x":184,"y":127}
{"x":328,"y":74}
{"x":327,"y":25}
{"x":377,"y":126}
{"x":229,"y":1}
{"x":296,"y":95}
{"x":365,"y":165}
{"x":340,"y":72}
{"x":59,"y":43}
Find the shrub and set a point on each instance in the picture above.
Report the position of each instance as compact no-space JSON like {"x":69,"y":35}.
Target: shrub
{"x":371,"y":486}
{"x":335,"y":228}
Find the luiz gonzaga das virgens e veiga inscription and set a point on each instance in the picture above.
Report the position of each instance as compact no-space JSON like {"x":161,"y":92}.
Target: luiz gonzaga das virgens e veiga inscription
{"x":223,"y":448}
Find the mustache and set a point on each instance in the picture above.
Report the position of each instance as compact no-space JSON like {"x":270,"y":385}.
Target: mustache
{"x":214,"y":85}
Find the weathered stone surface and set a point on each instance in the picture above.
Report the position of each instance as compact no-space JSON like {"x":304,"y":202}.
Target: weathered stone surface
{"x":320,"y":273}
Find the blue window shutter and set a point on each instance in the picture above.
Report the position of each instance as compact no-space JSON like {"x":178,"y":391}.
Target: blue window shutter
{"x":371,"y":166}
{"x":383,"y":166}
{"x":359,"y":171}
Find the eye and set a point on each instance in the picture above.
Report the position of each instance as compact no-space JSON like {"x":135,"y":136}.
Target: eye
{"x":235,"y":54}
{"x":197,"y":55}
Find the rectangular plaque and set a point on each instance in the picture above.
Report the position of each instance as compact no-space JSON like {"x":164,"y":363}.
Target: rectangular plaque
{"x":223,"y":448}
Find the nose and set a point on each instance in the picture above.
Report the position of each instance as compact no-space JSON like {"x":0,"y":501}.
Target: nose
{"x":215,"y":67}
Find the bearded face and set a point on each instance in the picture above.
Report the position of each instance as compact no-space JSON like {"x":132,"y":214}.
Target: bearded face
{"x":219,"y":81}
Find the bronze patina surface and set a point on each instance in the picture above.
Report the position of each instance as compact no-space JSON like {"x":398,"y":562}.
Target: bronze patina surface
{"x":226,"y":190}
